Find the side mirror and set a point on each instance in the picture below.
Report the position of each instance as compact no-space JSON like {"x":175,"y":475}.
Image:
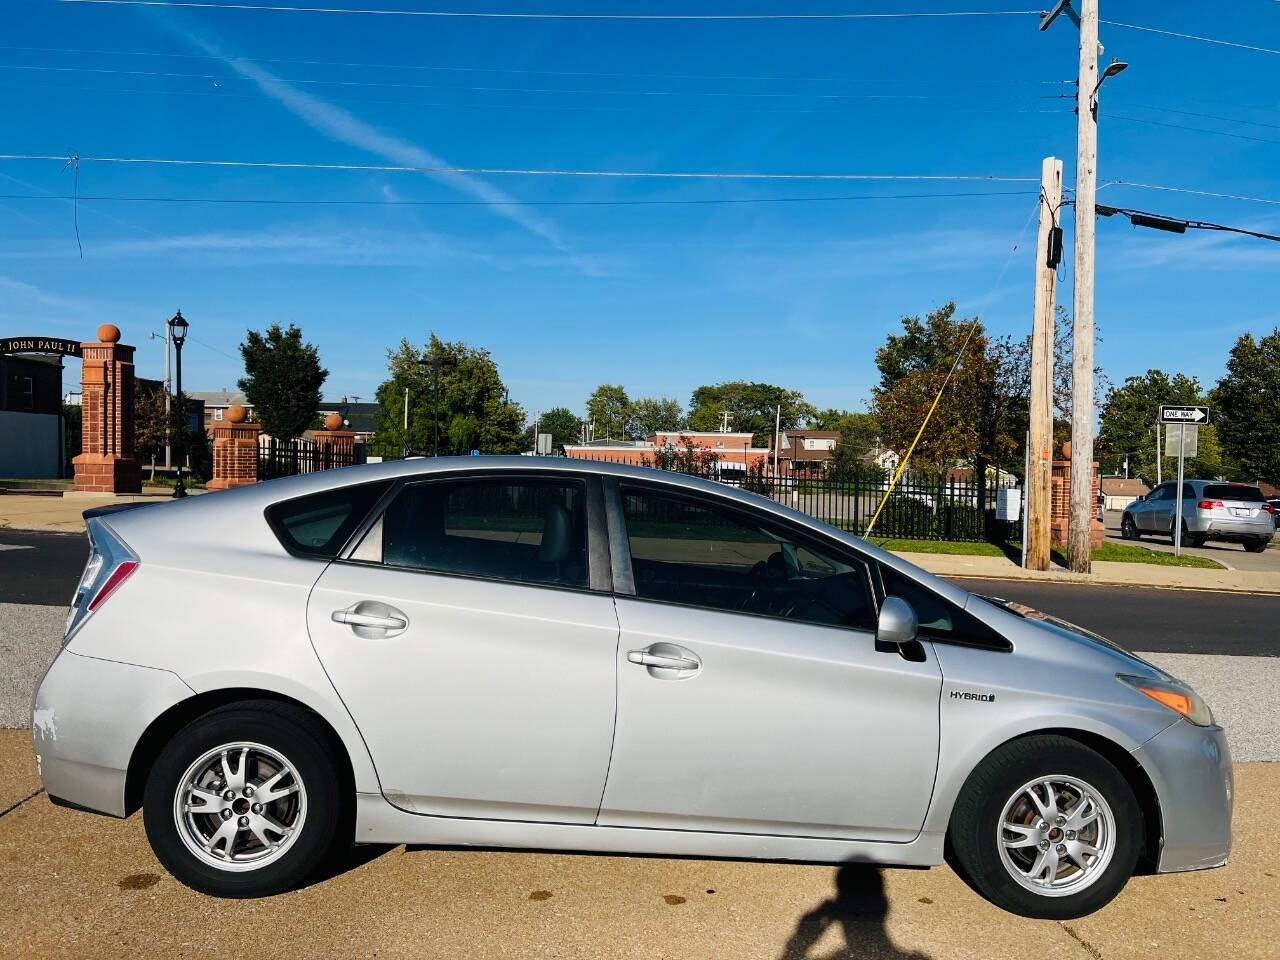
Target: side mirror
{"x":897,"y":624}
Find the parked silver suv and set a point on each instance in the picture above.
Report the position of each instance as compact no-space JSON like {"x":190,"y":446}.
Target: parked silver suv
{"x":1210,"y":511}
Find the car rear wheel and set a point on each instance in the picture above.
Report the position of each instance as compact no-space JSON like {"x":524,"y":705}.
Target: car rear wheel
{"x":1258,"y":545}
{"x":1046,"y":827}
{"x":1128,"y":529}
{"x":243,"y":801}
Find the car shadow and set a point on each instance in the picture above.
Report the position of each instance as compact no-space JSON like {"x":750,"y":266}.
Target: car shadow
{"x":346,"y":860}
{"x":858,"y":910}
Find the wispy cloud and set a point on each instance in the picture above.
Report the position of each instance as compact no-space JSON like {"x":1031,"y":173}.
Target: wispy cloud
{"x":345,"y":127}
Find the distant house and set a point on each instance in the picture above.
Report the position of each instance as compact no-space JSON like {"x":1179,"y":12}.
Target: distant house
{"x":804,"y":453}
{"x":734,"y":452}
{"x":1119,"y":492}
{"x":216,"y":403}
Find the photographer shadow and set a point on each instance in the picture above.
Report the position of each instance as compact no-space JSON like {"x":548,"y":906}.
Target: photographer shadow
{"x":858,"y":909}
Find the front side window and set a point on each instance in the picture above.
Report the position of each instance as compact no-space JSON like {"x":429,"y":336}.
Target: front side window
{"x":939,"y":618}
{"x":694,"y":553}
{"x":525,"y":530}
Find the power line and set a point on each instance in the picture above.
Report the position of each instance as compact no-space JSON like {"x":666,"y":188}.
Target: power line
{"x":1188,"y":190}
{"x":1202,"y":116}
{"x":224,"y":78}
{"x":276,"y":201}
{"x":505,"y":15}
{"x":1183,"y":126}
{"x":482,"y":105}
{"x":1159,"y":221}
{"x":1174,"y":33}
{"x":525,"y":171}
{"x":510,"y":70}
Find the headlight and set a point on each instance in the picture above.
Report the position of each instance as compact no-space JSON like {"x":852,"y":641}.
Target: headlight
{"x":1178,"y":697}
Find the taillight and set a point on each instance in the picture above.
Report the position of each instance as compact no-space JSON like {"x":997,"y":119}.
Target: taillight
{"x":1269,"y":508}
{"x":118,"y":576}
{"x":1209,"y":504}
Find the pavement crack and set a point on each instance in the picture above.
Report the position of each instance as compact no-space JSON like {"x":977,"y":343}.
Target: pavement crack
{"x":1089,"y":948}
{"x":12,"y":807}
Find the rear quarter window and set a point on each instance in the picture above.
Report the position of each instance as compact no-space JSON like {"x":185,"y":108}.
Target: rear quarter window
{"x":318,"y":524}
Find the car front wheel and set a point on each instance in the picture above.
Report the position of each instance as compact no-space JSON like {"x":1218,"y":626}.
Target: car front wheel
{"x":243,"y":801}
{"x":1046,"y":827}
{"x":1128,"y":530}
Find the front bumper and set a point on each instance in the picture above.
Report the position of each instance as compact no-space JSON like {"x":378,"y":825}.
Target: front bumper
{"x":1190,"y":768}
{"x":87,"y":719}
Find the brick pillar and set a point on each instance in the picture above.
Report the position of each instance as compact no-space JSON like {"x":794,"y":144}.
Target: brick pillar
{"x":335,"y":447}
{"x":107,"y":463}
{"x":235,"y":451}
{"x":1060,"y":503}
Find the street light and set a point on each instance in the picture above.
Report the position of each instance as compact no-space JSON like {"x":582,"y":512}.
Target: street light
{"x":1116,"y":66}
{"x":178,"y":333}
{"x":435,"y":399}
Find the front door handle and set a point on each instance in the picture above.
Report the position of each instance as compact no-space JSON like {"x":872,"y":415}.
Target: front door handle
{"x":372,"y":620}
{"x":658,"y":660}
{"x":666,"y":661}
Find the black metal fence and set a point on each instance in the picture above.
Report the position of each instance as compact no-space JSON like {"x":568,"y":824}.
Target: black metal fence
{"x":918,"y":508}
{"x":286,"y":458}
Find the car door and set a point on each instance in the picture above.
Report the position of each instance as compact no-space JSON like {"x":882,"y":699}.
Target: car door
{"x":1154,"y":509}
{"x":472,"y":636}
{"x":752,"y":696}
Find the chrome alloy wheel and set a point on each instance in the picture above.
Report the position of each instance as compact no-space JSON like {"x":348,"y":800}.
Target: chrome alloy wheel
{"x":240,"y":806}
{"x":1056,"y":835}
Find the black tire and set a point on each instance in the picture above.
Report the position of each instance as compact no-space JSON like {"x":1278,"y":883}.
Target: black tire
{"x":290,"y":732}
{"x":974,"y":829}
{"x":1194,"y":539}
{"x":1258,"y":545}
{"x":1129,"y":529}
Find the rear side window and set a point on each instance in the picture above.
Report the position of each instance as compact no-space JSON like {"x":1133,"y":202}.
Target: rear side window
{"x":527,"y":530}
{"x":1233,"y":491}
{"x":319,"y":524}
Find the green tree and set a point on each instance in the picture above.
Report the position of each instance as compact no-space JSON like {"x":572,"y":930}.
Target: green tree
{"x":752,"y":407}
{"x":684,"y":457}
{"x":562,"y":423}
{"x":282,"y":380}
{"x":649,"y":415}
{"x":1127,"y":426}
{"x":913,"y":367}
{"x":150,"y":425}
{"x":475,"y":412}
{"x":1247,"y":408}
{"x":609,"y":408}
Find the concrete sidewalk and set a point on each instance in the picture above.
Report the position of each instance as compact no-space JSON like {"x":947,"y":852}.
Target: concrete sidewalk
{"x":1104,"y":573}
{"x":64,"y":514}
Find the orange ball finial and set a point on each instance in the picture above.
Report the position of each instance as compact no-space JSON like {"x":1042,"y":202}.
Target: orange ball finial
{"x":333,"y":421}
{"x":236,"y":413}
{"x":108,"y":333}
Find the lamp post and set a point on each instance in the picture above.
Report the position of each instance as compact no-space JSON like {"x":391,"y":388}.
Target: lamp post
{"x":178,"y":333}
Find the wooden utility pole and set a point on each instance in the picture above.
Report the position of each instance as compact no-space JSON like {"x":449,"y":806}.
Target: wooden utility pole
{"x":1082,"y":506}
{"x":1039,"y":481}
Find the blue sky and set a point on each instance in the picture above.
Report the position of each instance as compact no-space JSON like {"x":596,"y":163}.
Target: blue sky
{"x":658,"y":297}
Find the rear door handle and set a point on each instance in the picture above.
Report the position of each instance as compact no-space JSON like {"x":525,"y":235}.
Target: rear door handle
{"x":658,"y":660}
{"x":372,"y":620}
{"x":353,"y":619}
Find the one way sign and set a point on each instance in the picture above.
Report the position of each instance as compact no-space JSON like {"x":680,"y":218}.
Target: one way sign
{"x":1189,"y":414}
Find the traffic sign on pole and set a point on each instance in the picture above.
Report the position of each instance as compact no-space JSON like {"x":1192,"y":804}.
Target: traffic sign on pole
{"x":1183,"y":413}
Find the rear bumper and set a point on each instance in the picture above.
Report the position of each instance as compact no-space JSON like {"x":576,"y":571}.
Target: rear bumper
{"x":1190,"y":768}
{"x":1228,"y":528}
{"x":88,"y":716}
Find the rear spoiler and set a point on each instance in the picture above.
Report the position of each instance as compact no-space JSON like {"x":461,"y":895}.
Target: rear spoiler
{"x":111,"y":508}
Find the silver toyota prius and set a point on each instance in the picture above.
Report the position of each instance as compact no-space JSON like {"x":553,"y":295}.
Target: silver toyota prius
{"x":532,"y":652}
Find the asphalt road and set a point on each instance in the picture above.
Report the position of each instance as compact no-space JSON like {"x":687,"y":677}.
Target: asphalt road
{"x":40,"y":568}
{"x":1155,"y":620}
